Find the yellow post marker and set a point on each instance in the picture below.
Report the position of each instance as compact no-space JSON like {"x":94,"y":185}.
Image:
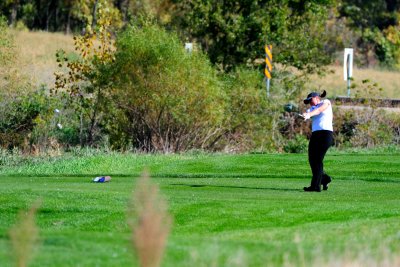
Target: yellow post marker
{"x":268,"y":65}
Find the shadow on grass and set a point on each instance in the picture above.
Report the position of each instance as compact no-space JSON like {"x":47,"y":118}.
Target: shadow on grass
{"x":238,"y":187}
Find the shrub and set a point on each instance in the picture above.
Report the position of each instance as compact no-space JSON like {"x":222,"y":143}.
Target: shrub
{"x":372,"y":133}
{"x":366,"y":127}
{"x":19,"y":116}
{"x":249,"y":118}
{"x":168,"y":100}
{"x":297,"y":145}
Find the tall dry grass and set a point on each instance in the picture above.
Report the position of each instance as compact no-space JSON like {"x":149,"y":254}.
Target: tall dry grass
{"x":24,"y":236}
{"x":36,"y":54}
{"x":335,"y":84}
{"x":150,"y":222}
{"x":11,"y":79}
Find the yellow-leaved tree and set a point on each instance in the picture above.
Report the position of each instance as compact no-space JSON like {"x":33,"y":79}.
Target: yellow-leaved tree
{"x":81,"y":80}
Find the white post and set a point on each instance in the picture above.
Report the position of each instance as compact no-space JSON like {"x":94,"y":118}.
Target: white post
{"x":267,"y":82}
{"x":189,"y":47}
{"x":348,"y":67}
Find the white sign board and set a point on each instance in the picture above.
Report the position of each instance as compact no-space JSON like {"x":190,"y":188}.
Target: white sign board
{"x":348,"y":63}
{"x":189,"y":47}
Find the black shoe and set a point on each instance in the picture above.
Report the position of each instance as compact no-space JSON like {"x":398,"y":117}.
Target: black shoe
{"x":312,"y":189}
{"x":326,"y":179}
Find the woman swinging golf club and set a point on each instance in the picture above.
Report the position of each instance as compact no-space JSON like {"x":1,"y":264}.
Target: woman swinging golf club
{"x":321,"y":138}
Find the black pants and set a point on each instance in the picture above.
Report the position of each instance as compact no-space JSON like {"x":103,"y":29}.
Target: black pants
{"x":319,"y":144}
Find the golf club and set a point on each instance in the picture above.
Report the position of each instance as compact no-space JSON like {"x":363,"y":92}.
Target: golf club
{"x":292,"y":108}
{"x":300,"y":115}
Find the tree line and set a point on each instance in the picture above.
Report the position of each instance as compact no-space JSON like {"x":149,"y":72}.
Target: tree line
{"x":231,"y":31}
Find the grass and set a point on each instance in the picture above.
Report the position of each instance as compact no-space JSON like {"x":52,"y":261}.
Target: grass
{"x":37,"y":54}
{"x":228,"y":210}
{"x":334,"y":83}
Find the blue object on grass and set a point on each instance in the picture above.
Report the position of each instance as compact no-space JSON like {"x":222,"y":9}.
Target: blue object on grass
{"x":101,"y":179}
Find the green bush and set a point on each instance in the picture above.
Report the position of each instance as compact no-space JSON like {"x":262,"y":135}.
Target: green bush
{"x":249,"y":118}
{"x":297,"y":145}
{"x":371,"y":134}
{"x":368,"y":127}
{"x":169,"y":100}
{"x":19,"y":116}
{"x":10,"y":157}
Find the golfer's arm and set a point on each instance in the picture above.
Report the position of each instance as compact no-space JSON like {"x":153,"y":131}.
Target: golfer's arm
{"x":317,"y":111}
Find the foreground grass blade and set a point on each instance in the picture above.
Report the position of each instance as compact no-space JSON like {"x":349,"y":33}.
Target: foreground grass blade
{"x":149,"y":221}
{"x":24,"y":236}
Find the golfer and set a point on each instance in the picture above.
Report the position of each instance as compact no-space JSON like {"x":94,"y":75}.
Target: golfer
{"x":321,"y":139}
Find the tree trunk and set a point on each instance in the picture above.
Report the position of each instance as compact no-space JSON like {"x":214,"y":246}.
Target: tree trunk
{"x":14,"y":12}
{"x":68,"y":26}
{"x":125,"y":10}
{"x":94,"y":14}
{"x":81,"y":139}
{"x":48,"y":16}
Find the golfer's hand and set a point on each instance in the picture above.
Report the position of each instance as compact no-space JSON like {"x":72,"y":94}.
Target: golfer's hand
{"x":306,"y":116}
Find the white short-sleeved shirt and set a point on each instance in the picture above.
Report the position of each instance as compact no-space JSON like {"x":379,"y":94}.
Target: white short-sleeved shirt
{"x":322,"y":121}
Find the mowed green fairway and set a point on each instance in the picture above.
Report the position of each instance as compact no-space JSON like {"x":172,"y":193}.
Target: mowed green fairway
{"x":228,"y":210}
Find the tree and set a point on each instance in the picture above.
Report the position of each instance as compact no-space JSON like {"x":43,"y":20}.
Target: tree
{"x":54,"y":15}
{"x":158,"y":9}
{"x":373,"y":21}
{"x":370,"y":14}
{"x":235,"y":32}
{"x":82,"y":79}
